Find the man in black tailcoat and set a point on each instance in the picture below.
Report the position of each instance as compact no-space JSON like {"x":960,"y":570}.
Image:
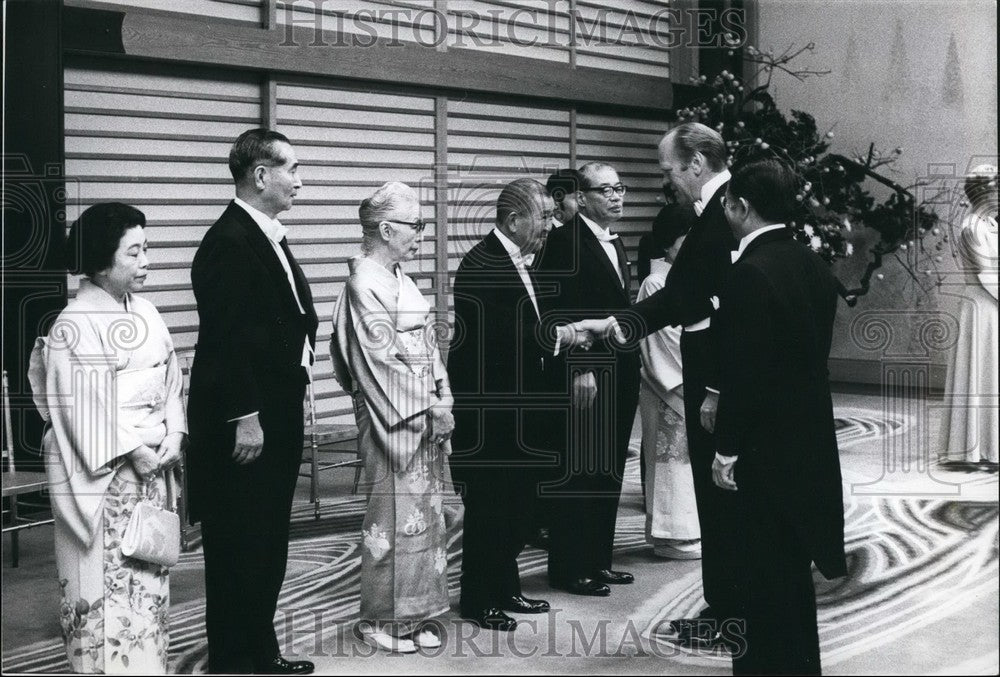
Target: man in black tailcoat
{"x":256,"y":334}
{"x":586,"y":265}
{"x":774,"y":429}
{"x":498,"y":373}
{"x":693,"y":160}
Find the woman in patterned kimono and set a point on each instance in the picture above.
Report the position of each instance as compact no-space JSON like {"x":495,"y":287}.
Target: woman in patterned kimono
{"x":106,"y":380}
{"x":385,"y":355}
{"x":671,"y":514}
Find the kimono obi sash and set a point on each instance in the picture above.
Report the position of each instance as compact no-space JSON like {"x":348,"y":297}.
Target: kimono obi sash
{"x":414,"y":351}
{"x":141,"y":396}
{"x":414,"y":339}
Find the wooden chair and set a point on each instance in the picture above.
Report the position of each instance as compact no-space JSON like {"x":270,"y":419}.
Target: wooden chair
{"x":16,"y":483}
{"x":190,"y":535}
{"x":320,"y":435}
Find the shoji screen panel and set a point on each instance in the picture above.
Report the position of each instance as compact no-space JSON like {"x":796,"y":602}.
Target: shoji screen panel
{"x":239,"y":10}
{"x":349,"y":143}
{"x":362,"y":21}
{"x":629,"y":145}
{"x":490,"y":145}
{"x":160,"y":143}
{"x":537,"y":29}
{"x":632,"y":37}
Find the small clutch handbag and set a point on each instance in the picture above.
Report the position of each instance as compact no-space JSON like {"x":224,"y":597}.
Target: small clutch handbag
{"x":153,"y":533}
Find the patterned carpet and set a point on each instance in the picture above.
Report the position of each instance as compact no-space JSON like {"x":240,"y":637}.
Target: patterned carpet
{"x":917,"y":563}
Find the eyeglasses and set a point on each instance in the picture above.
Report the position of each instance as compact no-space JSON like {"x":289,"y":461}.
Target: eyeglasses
{"x":608,"y":191}
{"x":418,"y":225}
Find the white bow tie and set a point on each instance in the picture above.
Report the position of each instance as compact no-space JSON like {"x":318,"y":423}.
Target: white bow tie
{"x":699,"y":207}
{"x":522,"y":259}
{"x":280,"y":231}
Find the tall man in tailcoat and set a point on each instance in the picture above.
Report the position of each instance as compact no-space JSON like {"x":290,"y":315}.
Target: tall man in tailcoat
{"x":498,"y":371}
{"x":775,"y":436}
{"x":588,"y":267}
{"x":256,"y":335}
{"x":693,"y":159}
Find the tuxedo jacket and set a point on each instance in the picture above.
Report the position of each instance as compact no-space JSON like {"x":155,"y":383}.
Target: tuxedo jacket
{"x":774,"y":329}
{"x":697,"y":275}
{"x":250,"y":332}
{"x":580,"y":282}
{"x":496,"y":365}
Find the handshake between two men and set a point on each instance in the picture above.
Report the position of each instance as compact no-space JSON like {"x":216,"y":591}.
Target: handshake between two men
{"x":584,"y":333}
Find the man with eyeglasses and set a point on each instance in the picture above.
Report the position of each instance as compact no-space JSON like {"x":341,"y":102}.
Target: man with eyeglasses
{"x":586,"y":264}
{"x":775,"y":436}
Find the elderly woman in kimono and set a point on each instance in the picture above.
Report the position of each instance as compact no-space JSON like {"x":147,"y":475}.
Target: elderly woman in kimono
{"x":385,"y":355}
{"x":107,"y":382}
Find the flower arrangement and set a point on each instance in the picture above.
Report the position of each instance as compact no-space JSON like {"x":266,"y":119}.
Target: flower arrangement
{"x":833,"y":196}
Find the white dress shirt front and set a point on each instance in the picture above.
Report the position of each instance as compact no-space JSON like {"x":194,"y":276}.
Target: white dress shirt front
{"x":606,"y":238}
{"x":275,"y":233}
{"x":521,"y":263}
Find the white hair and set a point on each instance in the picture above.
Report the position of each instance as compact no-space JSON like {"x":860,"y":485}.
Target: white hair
{"x":384,"y":202}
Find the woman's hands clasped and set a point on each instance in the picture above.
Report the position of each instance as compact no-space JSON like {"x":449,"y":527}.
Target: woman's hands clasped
{"x":170,"y":450}
{"x":148,"y":461}
{"x":145,"y":461}
{"x":442,"y":422}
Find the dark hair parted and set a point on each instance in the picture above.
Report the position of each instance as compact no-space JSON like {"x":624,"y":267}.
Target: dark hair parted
{"x":95,"y":236}
{"x":562,"y":183}
{"x":251,"y":148}
{"x":520,"y":196}
{"x":769,"y":186}
{"x":692,"y":137}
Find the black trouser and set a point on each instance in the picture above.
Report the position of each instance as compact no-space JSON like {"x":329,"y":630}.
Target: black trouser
{"x":718,"y":509}
{"x":781,"y":629}
{"x":585,"y":497}
{"x":499,"y":507}
{"x":245,"y":535}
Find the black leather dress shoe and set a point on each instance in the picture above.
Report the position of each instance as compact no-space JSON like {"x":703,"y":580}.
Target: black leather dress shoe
{"x":583,"y":586}
{"x":614,"y":577}
{"x":522,"y":605}
{"x":541,"y":539}
{"x":692,"y":625}
{"x":279,"y":666}
{"x":492,"y":619}
{"x":699,"y":633}
{"x":701,"y":640}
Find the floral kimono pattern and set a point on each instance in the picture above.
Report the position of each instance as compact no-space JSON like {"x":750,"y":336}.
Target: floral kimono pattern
{"x":671,"y":512}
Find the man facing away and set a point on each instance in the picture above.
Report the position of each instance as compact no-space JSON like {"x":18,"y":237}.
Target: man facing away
{"x":562,"y":187}
{"x":256,"y":335}
{"x":777,"y":446}
{"x":497,"y":369}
